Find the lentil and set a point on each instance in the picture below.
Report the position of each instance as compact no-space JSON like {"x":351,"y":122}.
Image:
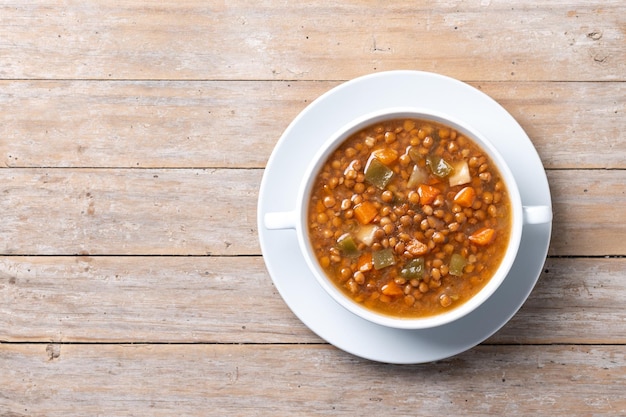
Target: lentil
{"x":431,"y":221}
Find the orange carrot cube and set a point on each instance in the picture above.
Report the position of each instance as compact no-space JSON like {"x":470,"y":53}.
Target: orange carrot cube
{"x":365,"y":212}
{"x":465,"y":197}
{"x":427,"y":193}
{"x":385,"y":155}
{"x":391,"y":289}
{"x":483,"y":237}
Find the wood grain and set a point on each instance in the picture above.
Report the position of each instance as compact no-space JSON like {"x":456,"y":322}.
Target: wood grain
{"x":146,"y":124}
{"x":584,"y":222}
{"x":144,"y":299}
{"x":575,"y":301}
{"x":129,"y":212}
{"x":201,"y":212}
{"x":209,"y":124}
{"x":562,"y":41}
{"x":232,"y":300}
{"x":305,"y":380}
{"x":133,"y":137}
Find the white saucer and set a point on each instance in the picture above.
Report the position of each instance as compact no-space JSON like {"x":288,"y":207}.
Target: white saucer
{"x":285,"y":169}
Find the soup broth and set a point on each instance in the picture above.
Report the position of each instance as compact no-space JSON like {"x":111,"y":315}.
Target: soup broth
{"x":409,"y":218}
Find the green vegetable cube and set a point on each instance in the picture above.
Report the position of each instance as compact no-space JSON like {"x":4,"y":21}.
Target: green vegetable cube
{"x":378,"y":174}
{"x":457,"y":263}
{"x":383,"y":258}
{"x":347,"y":245}
{"x":414,"y":269}
{"x":439,"y":167}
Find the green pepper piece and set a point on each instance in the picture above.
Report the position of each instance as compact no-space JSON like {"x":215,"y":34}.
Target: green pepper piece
{"x":457,"y":263}
{"x":383,"y":258}
{"x":414,"y":154}
{"x":378,"y":174}
{"x":414,"y":269}
{"x":438,"y":166}
{"x":347,"y":245}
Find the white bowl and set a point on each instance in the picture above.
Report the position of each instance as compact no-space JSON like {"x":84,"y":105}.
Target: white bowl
{"x":297,"y":219}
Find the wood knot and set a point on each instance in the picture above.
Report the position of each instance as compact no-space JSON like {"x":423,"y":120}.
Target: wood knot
{"x":596,"y":36}
{"x":53,"y":351}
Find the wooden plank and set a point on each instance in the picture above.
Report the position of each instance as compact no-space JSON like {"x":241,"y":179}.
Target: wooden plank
{"x":149,"y":212}
{"x":202,"y":124}
{"x":564,"y":40}
{"x":569,"y":122}
{"x":574,"y":301}
{"x":143,"y":299}
{"x":306,"y":380}
{"x":146,"y":124}
{"x":233,"y":300}
{"x":200,"y":212}
{"x":588,"y":214}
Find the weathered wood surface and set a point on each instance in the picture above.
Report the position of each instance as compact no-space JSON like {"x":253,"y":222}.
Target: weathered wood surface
{"x":313,"y":380}
{"x":133,"y":137}
{"x":208,"y":124}
{"x":129,"y":212}
{"x":486,"y":40}
{"x":199,"y":300}
{"x":213,"y":212}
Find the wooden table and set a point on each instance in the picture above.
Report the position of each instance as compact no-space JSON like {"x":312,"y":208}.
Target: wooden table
{"x":133,"y":139}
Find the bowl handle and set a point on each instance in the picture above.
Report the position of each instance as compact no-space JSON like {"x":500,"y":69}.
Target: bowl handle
{"x":537,"y":214}
{"x":280,"y":220}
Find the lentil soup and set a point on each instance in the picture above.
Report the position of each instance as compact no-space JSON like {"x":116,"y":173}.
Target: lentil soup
{"x":409,"y":218}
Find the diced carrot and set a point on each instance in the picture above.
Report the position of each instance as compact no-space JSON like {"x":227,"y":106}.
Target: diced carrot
{"x":364,"y":263}
{"x":427,"y":193}
{"x":365,"y":212}
{"x":391,"y":289}
{"x":385,"y":155}
{"x":483,"y":237}
{"x":465,"y":197}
